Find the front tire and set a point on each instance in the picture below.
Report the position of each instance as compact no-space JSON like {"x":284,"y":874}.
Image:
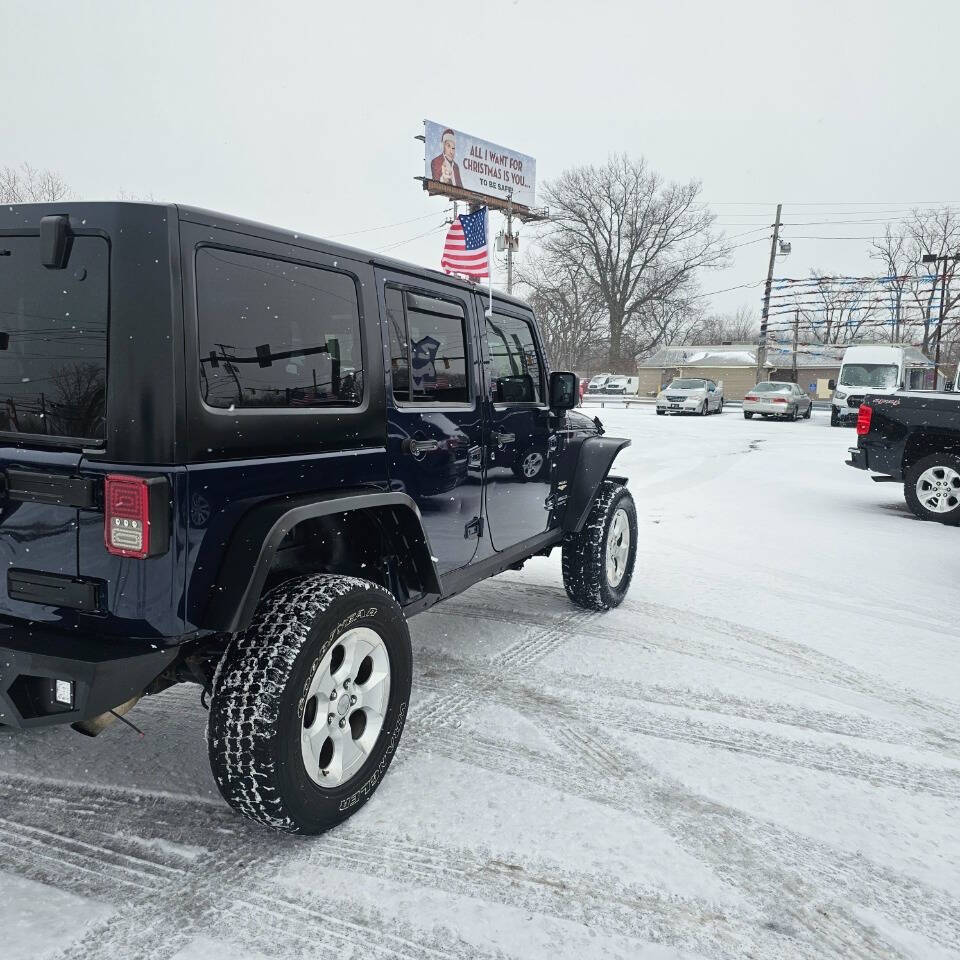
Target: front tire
{"x":598,"y":561}
{"x":931,"y":487}
{"x":806,"y":416}
{"x":705,"y":409}
{"x":834,"y":419}
{"x":309,"y":703}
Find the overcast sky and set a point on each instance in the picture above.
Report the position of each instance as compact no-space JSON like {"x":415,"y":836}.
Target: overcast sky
{"x":303,"y":113}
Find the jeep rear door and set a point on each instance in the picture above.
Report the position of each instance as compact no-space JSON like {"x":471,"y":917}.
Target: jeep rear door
{"x":53,"y":350}
{"x":434,"y":411}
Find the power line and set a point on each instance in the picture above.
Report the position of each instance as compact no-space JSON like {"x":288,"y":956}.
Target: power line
{"x":386,"y":226}
{"x":400,"y":243}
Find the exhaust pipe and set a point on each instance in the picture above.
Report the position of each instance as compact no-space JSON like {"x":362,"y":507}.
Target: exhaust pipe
{"x":96,"y":725}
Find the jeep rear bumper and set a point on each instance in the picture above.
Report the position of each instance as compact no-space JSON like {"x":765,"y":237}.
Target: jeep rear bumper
{"x":101,"y":673}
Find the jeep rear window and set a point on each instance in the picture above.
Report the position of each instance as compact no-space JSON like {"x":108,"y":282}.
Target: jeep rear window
{"x":53,"y":340}
{"x":276,"y":334}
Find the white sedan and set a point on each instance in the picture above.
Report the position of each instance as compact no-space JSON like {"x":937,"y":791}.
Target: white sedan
{"x":691,"y":395}
{"x":780,"y":399}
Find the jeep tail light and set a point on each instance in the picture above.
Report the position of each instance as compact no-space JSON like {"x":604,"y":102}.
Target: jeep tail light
{"x":136,"y":519}
{"x":864,"y":416}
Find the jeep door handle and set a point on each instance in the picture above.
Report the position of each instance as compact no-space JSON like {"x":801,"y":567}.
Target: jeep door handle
{"x":417,"y":448}
{"x":500,"y":439}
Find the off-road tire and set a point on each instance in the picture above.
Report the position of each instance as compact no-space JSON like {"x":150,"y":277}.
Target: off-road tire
{"x":912,"y":475}
{"x":747,"y":416}
{"x":259,"y":697}
{"x":584,"y":554}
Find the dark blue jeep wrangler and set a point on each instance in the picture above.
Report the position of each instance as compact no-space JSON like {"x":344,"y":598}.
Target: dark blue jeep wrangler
{"x":240,"y":457}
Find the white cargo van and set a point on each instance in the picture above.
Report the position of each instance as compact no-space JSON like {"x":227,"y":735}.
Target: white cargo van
{"x":881,"y":368}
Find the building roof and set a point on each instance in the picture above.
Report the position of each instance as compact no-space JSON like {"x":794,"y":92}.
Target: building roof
{"x":780,"y":356}
{"x":708,"y":355}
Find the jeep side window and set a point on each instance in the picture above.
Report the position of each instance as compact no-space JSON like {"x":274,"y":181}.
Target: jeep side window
{"x":276,"y":334}
{"x":428,"y":361}
{"x":397,"y":330}
{"x":515,"y":374}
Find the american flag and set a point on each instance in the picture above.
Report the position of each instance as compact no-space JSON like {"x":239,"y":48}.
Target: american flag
{"x":465,"y":249}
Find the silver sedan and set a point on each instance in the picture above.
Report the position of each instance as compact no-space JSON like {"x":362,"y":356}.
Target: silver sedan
{"x":774,"y":398}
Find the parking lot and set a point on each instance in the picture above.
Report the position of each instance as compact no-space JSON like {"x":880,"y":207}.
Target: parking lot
{"x":756,"y":755}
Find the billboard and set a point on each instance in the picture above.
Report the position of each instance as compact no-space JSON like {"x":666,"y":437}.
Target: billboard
{"x":455,"y":158}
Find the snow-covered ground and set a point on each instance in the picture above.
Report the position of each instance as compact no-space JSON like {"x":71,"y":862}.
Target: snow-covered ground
{"x":757,"y":755}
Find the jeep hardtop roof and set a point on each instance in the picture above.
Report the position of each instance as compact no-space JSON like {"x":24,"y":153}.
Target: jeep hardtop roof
{"x":27,"y":216}
{"x":211,"y":218}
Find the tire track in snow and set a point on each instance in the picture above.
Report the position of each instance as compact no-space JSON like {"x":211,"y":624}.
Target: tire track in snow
{"x":604,"y":904}
{"x":759,"y":858}
{"x":450,"y":706}
{"x":568,"y":726}
{"x":752,"y":649}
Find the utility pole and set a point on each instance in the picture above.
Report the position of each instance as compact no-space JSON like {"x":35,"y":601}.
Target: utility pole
{"x":510,"y":242}
{"x":933,"y":258}
{"x":762,"y":345}
{"x":796,"y":344}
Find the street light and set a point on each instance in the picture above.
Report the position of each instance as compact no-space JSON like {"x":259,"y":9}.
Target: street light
{"x":933,"y":258}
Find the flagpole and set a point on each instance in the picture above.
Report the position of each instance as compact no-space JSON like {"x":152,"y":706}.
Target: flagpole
{"x":486,"y":226}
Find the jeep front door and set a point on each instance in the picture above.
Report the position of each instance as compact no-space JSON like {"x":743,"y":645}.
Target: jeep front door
{"x":519,"y":444}
{"x":434,"y":413}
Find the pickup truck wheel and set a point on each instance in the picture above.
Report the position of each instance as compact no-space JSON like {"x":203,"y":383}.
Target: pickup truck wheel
{"x":309,"y":703}
{"x":931,"y":487}
{"x":598,"y":561}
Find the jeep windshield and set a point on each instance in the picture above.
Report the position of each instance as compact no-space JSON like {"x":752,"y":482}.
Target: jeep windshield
{"x":53,"y":340}
{"x":686,"y":385}
{"x":880,"y":375}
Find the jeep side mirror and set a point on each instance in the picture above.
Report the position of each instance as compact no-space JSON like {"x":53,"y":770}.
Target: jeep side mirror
{"x":831,"y":384}
{"x":563,"y":391}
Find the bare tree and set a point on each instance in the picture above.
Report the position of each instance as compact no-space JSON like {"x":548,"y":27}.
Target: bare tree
{"x":27,"y":184}
{"x":833,"y":314}
{"x":916,"y":288}
{"x":741,"y":326}
{"x":895,"y":251}
{"x":639,"y":241}
{"x":571,"y":314}
{"x":661,"y":321}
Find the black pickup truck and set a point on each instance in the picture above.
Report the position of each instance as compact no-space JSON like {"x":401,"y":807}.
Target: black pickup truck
{"x":914,"y":438}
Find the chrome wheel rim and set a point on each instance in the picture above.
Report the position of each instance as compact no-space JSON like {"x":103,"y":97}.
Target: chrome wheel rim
{"x":345,"y":707}
{"x":531,"y":465}
{"x":618,"y":548}
{"x":938,"y":489}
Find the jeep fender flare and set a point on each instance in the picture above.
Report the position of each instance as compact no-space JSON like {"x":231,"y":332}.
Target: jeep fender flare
{"x":594,"y":459}
{"x":257,"y":537}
